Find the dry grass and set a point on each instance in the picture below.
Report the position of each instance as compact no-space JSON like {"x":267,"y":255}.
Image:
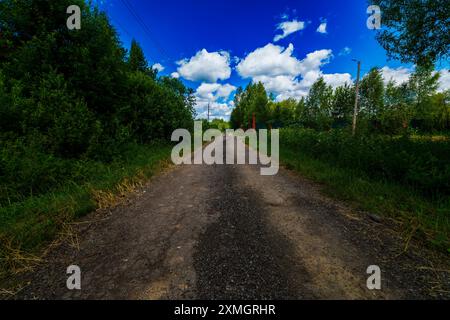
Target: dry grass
{"x":15,"y":261}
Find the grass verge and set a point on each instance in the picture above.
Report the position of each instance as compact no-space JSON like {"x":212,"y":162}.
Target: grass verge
{"x":29,"y":226}
{"x":420,"y":217}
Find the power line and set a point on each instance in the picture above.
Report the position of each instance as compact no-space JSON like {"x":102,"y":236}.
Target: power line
{"x":144,"y":27}
{"x":122,"y":27}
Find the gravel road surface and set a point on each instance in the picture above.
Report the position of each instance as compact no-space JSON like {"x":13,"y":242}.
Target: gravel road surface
{"x":227,"y":232}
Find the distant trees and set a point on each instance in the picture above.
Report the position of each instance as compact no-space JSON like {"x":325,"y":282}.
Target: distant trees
{"x":251,"y":101}
{"x":372,"y":94}
{"x":319,"y":104}
{"x":392,"y":108}
{"x":343,"y":104}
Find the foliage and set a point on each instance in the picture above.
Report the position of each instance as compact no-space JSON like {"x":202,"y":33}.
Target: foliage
{"x":72,"y":104}
{"x":372,"y":94}
{"x":390,"y":109}
{"x":251,"y":101}
{"x":415,"y":30}
{"x":68,"y":95}
{"x":419,"y":216}
{"x":420,"y":164}
{"x":136,"y":59}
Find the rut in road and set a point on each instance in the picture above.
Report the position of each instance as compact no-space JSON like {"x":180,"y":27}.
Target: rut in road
{"x":226,"y":232}
{"x":240,"y":256}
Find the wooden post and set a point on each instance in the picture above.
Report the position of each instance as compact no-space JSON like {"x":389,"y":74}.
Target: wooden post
{"x":355,"y":112}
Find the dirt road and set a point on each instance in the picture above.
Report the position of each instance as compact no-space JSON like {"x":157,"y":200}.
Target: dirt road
{"x":226,"y":232}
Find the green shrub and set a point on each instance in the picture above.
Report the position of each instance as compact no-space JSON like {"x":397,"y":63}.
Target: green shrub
{"x":420,"y":164}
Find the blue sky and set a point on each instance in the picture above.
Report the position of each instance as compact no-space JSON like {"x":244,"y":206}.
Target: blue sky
{"x":216,"y":46}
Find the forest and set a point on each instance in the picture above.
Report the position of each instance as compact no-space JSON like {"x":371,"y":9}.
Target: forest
{"x":79,"y":114}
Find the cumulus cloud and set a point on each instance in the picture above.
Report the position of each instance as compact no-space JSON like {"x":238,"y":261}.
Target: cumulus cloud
{"x":402,"y":74}
{"x":337,"y":79}
{"x":158,"y":67}
{"x":206,"y":66}
{"x":214,"y":91}
{"x":285,"y":75}
{"x":288,"y":27}
{"x":444,"y":80}
{"x":399,"y":75}
{"x":315,"y":60}
{"x":221,"y":110}
{"x":217,"y":96}
{"x":175,"y":75}
{"x":270,"y":60}
{"x":322,"y":27}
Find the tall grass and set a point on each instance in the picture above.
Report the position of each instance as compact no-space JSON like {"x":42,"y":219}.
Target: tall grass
{"x":28,"y":222}
{"x":406,"y":179}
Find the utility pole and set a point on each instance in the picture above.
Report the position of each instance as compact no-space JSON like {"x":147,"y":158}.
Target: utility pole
{"x":208,"y":112}
{"x":355,"y":112}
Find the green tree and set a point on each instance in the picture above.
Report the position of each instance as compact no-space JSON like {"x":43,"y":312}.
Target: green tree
{"x":259,"y":103}
{"x":398,"y":111}
{"x":136,"y":60}
{"x":252,"y":100}
{"x":372,"y":94}
{"x":300,"y":110}
{"x":440,"y":103}
{"x":415,"y":30}
{"x":237,"y":116}
{"x":319,"y":104}
{"x":343,"y":103}
{"x":423,"y":84}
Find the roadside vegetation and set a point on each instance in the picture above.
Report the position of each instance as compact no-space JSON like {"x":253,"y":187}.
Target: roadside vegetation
{"x":82,"y":121}
{"x":399,"y":178}
{"x":397,"y":164}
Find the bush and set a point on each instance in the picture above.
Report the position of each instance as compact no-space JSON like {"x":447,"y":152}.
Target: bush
{"x":26,"y":169}
{"x":421,"y":164}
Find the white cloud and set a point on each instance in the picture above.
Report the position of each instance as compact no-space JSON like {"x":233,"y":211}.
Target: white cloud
{"x":315,"y":60}
{"x":214,"y":91}
{"x":337,"y":79}
{"x":221,"y":110}
{"x":345,"y":51}
{"x":225,"y":91}
{"x":270,"y":60}
{"x":206,"y":66}
{"x":399,"y":75}
{"x":322,"y":28}
{"x":207,"y":90}
{"x":217,"y":96}
{"x":402,"y":74}
{"x":158,"y":67}
{"x":444,"y":80}
{"x":286,"y":76}
{"x":175,"y":75}
{"x":289,"y":27}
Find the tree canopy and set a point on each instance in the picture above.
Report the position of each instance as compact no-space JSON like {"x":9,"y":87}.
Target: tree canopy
{"x":415,"y":31}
